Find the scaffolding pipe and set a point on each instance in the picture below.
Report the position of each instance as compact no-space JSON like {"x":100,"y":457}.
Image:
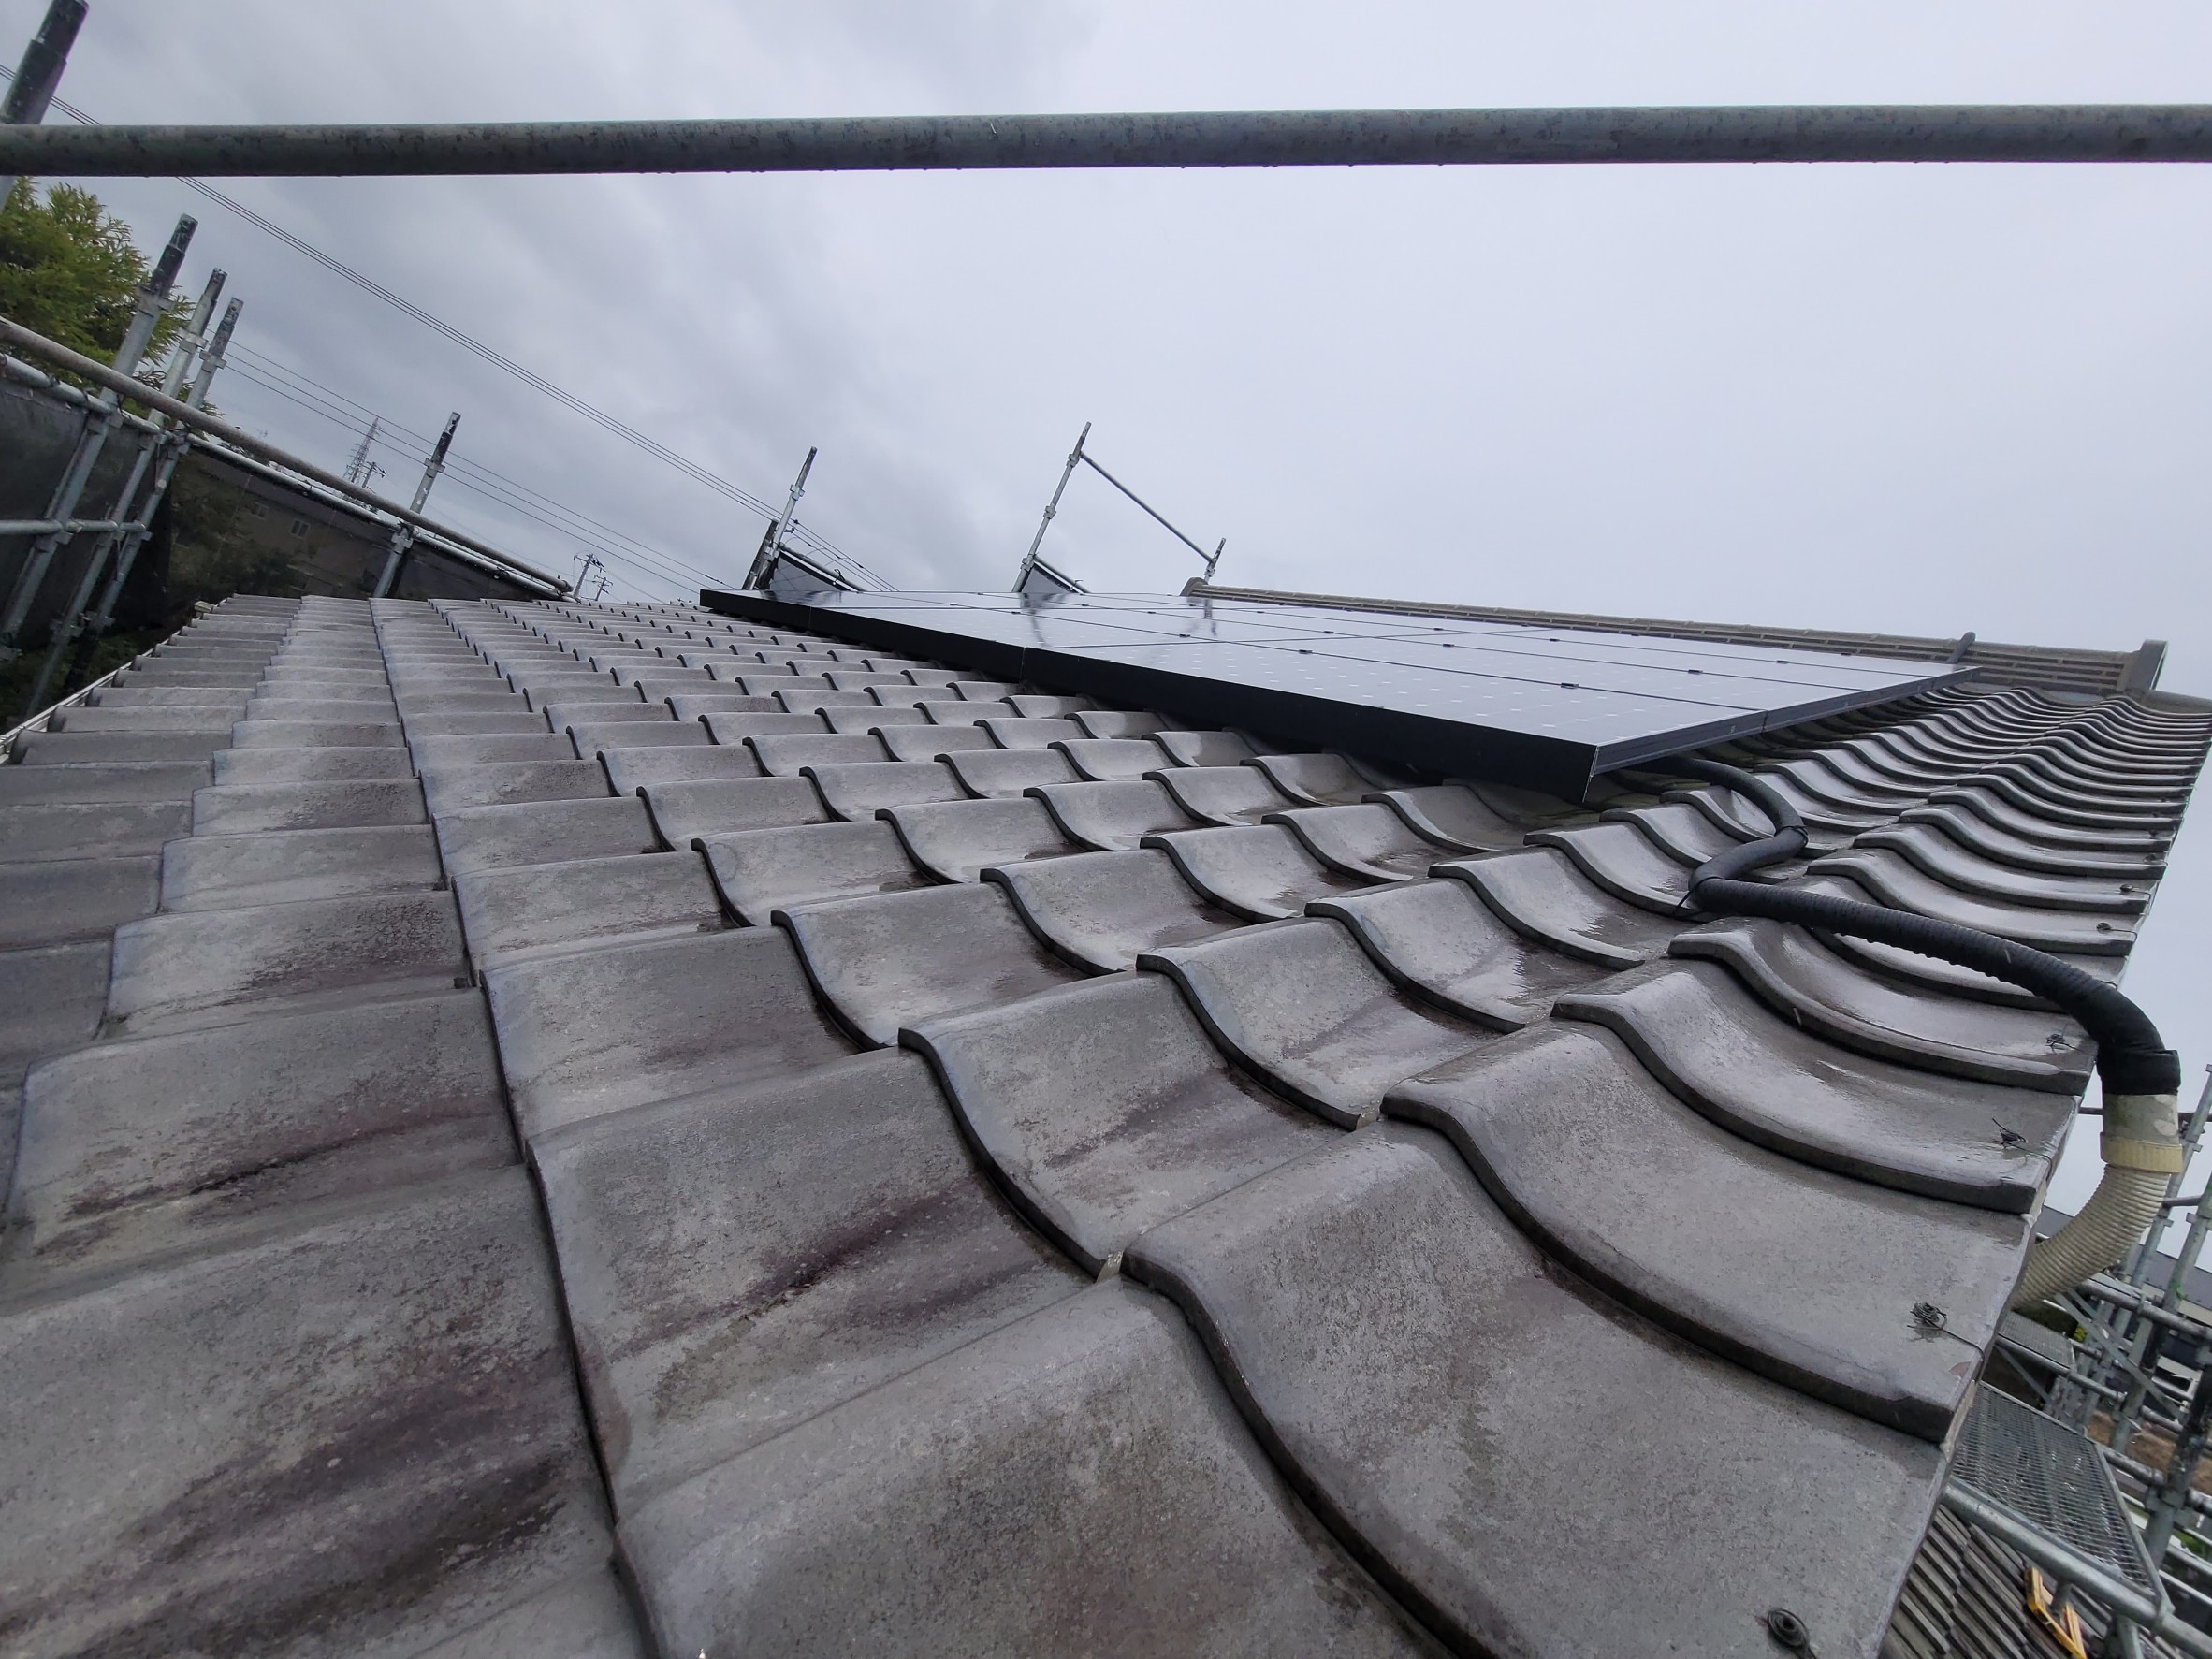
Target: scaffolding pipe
{"x":1249,"y":139}
{"x":15,"y":335}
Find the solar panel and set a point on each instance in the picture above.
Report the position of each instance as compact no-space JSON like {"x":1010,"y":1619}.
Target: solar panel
{"x":1545,"y":707}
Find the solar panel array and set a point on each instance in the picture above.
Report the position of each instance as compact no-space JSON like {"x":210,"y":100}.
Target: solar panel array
{"x":1542,"y":706}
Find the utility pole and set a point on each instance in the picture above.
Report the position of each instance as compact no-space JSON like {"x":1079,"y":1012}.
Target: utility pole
{"x":763,"y":562}
{"x":361,"y":470}
{"x":40,"y":73}
{"x":66,"y":627}
{"x":146,"y":314}
{"x":403,"y":537}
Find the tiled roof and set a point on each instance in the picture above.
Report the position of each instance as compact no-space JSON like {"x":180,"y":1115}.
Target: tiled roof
{"x":906,"y":1163}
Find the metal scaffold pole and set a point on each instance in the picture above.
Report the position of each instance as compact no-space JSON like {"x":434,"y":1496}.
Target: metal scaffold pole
{"x":403,"y":537}
{"x":145,"y":316}
{"x":66,"y":626}
{"x":39,"y":72}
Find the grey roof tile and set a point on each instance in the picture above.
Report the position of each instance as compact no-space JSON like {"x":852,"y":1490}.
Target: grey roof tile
{"x":1541,"y":893}
{"x":1227,"y":795}
{"x":1314,"y":779}
{"x":196,"y":716}
{"x":309,"y":766}
{"x":127,"y":781}
{"x":587,"y":1032}
{"x":1436,"y":941}
{"x":1452,"y":816}
{"x":1120,"y":722}
{"x":1800,"y":1274}
{"x":1016,"y":732}
{"x":204,"y":872}
{"x":473,"y":724}
{"x":625,"y":1000}
{"x":685,"y":810}
{"x":759,"y":872}
{"x":1400,"y":1348}
{"x":808,"y":701}
{"x":874,"y":717}
{"x":567,"y":712}
{"x":74,"y":899}
{"x":1301,"y":1007}
{"x":543,"y":832}
{"x":1368,"y":842}
{"x":857,"y":789}
{"x":238,"y":808}
{"x":731,"y":730}
{"x":585,"y":1617}
{"x":1822,"y":992}
{"x":953,"y":840}
{"x":1902,"y":885}
{"x":1001,"y":1477}
{"x":258,"y":1446}
{"x":1261,"y":872}
{"x":1110,"y":817}
{"x":955,"y":712}
{"x":782,"y":755}
{"x":1998,"y":846}
{"x":196,"y":968}
{"x":1927,"y":974}
{"x":888,"y":960}
{"x":1099,"y":910}
{"x":496,"y":783}
{"x":89,"y":829}
{"x":590,"y":901}
{"x":2042,"y":831}
{"x":1941,"y":859}
{"x":144,"y":1149}
{"x":1006,"y":773}
{"x":1710,"y":1040}
{"x":1039,"y":708}
{"x":629,"y":770}
{"x":1621,"y":860}
{"x":1103,"y":1109}
{"x":462,"y":748}
{"x":692,"y":706}
{"x":590,"y":740}
{"x":62,"y":748}
{"x":1107,"y":759}
{"x":312,"y":734}
{"x":749,"y":1257}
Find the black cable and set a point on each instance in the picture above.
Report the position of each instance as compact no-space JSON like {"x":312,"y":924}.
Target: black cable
{"x":2131,"y":1058}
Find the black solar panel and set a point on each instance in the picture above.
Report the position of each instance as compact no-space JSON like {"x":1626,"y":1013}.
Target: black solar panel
{"x":1546,"y":708}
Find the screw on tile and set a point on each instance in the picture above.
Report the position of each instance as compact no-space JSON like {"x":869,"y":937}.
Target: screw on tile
{"x":1788,"y":1631}
{"x":1928,"y":1316}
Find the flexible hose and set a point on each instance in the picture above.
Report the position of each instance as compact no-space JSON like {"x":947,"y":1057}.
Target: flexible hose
{"x":2142,"y":1077}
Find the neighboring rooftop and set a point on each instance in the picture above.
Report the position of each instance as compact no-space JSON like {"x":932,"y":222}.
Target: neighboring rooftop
{"x":603,"y":1131}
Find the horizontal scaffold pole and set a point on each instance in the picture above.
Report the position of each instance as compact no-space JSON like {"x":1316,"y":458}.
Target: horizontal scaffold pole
{"x":1259,"y":139}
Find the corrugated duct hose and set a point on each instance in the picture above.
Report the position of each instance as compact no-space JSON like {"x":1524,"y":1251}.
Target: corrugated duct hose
{"x":2142,"y":1076}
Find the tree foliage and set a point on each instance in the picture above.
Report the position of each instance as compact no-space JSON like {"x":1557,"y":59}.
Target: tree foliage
{"x":69,"y":270}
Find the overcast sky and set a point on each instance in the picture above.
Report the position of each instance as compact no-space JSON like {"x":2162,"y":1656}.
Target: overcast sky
{"x":1916,"y":399}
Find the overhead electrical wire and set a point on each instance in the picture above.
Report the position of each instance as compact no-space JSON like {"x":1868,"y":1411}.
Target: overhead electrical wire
{"x":658,"y":451}
{"x":492,"y":487}
{"x":498,"y":486}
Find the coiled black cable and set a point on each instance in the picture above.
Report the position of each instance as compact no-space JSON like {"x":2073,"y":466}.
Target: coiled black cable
{"x":2131,"y":1058}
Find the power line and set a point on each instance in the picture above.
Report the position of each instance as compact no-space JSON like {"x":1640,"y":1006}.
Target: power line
{"x":647,"y":560}
{"x":629,"y":434}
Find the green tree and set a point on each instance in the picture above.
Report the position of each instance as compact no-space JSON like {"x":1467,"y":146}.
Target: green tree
{"x":69,"y":270}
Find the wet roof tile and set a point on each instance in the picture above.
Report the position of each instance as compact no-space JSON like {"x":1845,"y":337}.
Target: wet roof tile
{"x":794,"y":1275}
